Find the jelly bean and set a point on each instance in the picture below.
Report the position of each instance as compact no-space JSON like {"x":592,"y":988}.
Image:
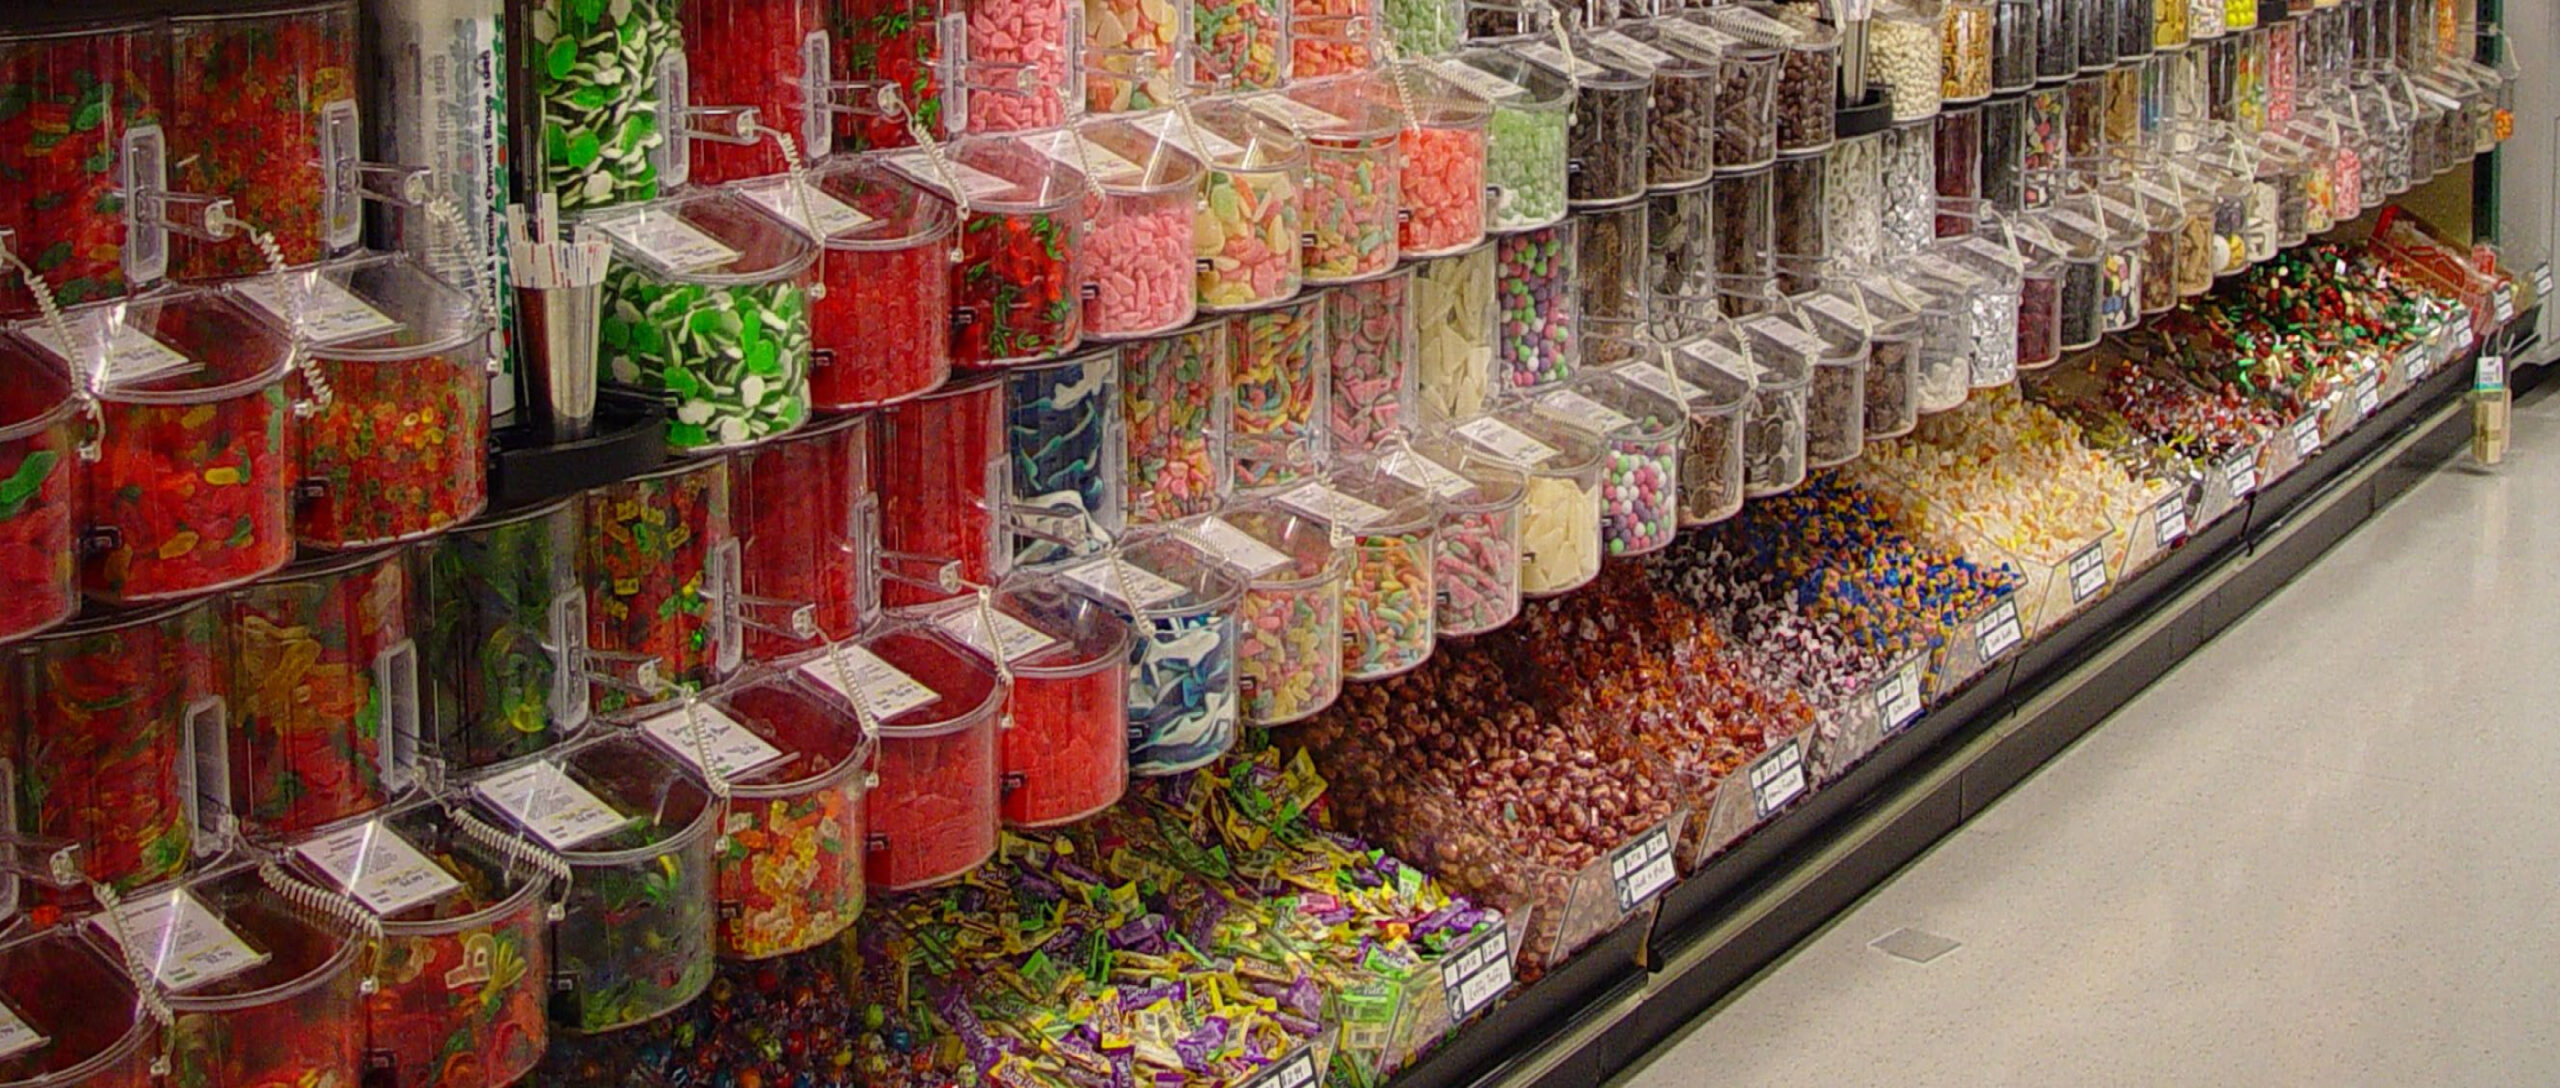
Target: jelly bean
{"x":1281,"y":392}
{"x":1536,"y":306}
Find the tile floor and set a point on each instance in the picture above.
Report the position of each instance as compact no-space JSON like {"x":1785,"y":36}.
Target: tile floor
{"x":2322,"y":851}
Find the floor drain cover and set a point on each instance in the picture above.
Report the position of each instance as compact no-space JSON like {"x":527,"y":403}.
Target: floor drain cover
{"x":1916,"y":945}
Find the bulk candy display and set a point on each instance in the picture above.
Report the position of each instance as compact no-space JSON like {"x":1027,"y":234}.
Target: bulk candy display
{"x":1370,"y":339}
{"x":658,"y":555}
{"x":932,"y":815}
{"x":1176,"y":407}
{"x":1455,"y":332}
{"x":1536,"y":306}
{"x":460,"y":975}
{"x":39,"y":478}
{"x":806,"y":524}
{"x":1182,"y":667}
{"x":707,"y":305}
{"x":1281,"y":382}
{"x":503,"y":620}
{"x":769,"y":55}
{"x":940,"y":466}
{"x":87,"y":97}
{"x":789,"y":856}
{"x":1246,"y":242}
{"x":262,"y":110}
{"x":1013,"y":297}
{"x":1289,"y":622}
{"x":870,"y":347}
{"x":1640,"y":485}
{"x":1066,"y":457}
{"x":293,"y":1015}
{"x":597,"y":130}
{"x":1067,"y":755}
{"x":323,"y":693}
{"x":1137,"y":256}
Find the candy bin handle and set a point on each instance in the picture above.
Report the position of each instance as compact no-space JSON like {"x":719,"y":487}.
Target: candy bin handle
{"x":395,"y":184}
{"x":720,"y":124}
{"x":518,"y":848}
{"x":945,"y":575}
{"x":954,"y":64}
{"x":624,"y":671}
{"x":781,"y":618}
{"x":566,"y":642}
{"x":729,"y":636}
{"x":673,"y":158}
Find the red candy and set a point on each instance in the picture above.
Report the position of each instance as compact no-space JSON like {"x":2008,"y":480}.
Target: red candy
{"x":259,"y":104}
{"x":1067,"y":755}
{"x":294,"y":1019}
{"x":941,"y":477}
{"x":758,"y":53}
{"x":803,"y":509}
{"x":933,"y":813}
{"x":656,"y":554}
{"x":402,"y":450}
{"x":39,"y":468}
{"x":893,"y":42}
{"x":790,"y":874}
{"x":76,"y":96}
{"x":875,"y":346}
{"x":462,"y":980}
{"x":322,"y":683}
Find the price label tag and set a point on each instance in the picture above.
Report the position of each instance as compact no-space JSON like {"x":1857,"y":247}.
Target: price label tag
{"x":1641,"y":868}
{"x":2081,"y":223}
{"x":16,"y":1037}
{"x":1506,"y":441}
{"x":1473,"y":978}
{"x":2460,"y":337}
{"x":330,"y":313}
{"x":2306,"y":434}
{"x":132,"y":355}
{"x":1241,"y":549}
{"x":2416,"y":361}
{"x":1777,"y":778}
{"x":1297,"y":1071}
{"x":2242,"y":473}
{"x":1018,"y":639}
{"x":2369,"y":393}
{"x":666,"y":241}
{"x":2505,"y":300}
{"x":1656,"y":378}
{"x":2490,"y":373}
{"x":1573,"y":407}
{"x":382,"y":870}
{"x":1099,"y":576}
{"x":1483,"y":83}
{"x":2169,"y":521}
{"x":779,"y":196}
{"x":918,"y":166}
{"x":1898,"y":700}
{"x":735,"y":751}
{"x":1835,"y":308}
{"x":1788,"y":335}
{"x":1429,"y":475}
{"x":2542,"y":281}
{"x":2088,"y":572}
{"x":885,"y":688}
{"x":1326,"y":504}
{"x":186,"y":943}
{"x":1079,"y":153}
{"x":541,"y":798}
{"x":1997,"y":631}
{"x":1210,"y":145}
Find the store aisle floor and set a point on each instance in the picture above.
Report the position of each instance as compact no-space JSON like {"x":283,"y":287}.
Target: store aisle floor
{"x":2321,"y":851}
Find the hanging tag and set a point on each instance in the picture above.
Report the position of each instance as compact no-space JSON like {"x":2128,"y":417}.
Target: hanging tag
{"x":187,"y":944}
{"x":2369,"y":394}
{"x":1485,"y":84}
{"x":1836,"y":308}
{"x":2542,"y":282}
{"x":2306,"y":434}
{"x":1239,"y":548}
{"x":380,"y":868}
{"x":666,"y":240}
{"x":2490,"y":373}
{"x":2504,"y":300}
{"x":1018,"y":639}
{"x":1507,"y":442}
{"x":779,"y":196}
{"x":1997,"y":631}
{"x":1626,"y":48}
{"x":2169,"y":521}
{"x":1572,"y":407}
{"x":1641,"y":868}
{"x":330,"y":313}
{"x":885,"y":688}
{"x":2242,"y":473}
{"x":1777,"y":778}
{"x":16,"y":1037}
{"x":1281,"y":107}
{"x":1326,"y":504}
{"x":1152,"y":589}
{"x":1898,"y":701}
{"x":736,"y":751}
{"x":541,"y":798}
{"x":132,"y":355}
{"x":1078,"y":152}
{"x":1470,"y":980}
{"x":1211,"y":146}
{"x":2088,"y":572}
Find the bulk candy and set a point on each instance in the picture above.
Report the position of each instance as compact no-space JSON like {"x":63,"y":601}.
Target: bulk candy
{"x":85,"y":97}
{"x":805,"y":518}
{"x":772,"y":56}
{"x":940,"y":470}
{"x":1640,"y":484}
{"x":1370,"y":338}
{"x":1019,"y":59}
{"x":461,"y":977}
{"x":505,"y":620}
{"x":1067,"y":755}
{"x":1062,"y":441}
{"x":1137,"y":254}
{"x":1289,"y":660}
{"x":715,"y":317}
{"x":789,"y":857}
{"x":1281,"y":392}
{"x":596,"y":76}
{"x":294,"y":1016}
{"x":1536,"y":307}
{"x":1454,"y":322}
{"x":324,"y":697}
{"x":932,"y":815}
{"x":262,"y":110}
{"x":869,"y":346}
{"x":38,"y":480}
{"x":1176,"y":405}
{"x":657,"y":560}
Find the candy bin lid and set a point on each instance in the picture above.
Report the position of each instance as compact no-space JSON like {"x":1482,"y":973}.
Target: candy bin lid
{"x":1506,"y":80}
{"x":1617,"y":408}
{"x":74,"y":1006}
{"x":1274,"y":546}
{"x":1045,"y":628}
{"x":1433,"y":100}
{"x":39,"y":393}
{"x":606,"y":799}
{"x":1335,"y":110}
{"x":915,"y":681}
{"x":1230,"y":136}
{"x":1582,"y":68}
{"x":1684,"y":50}
{"x":1533,"y":440}
{"x":1712,"y":378}
{"x":420,"y":870}
{"x":881,"y":209}
{"x":227,"y":940}
{"x":1461,"y":476}
{"x":1781,"y":353}
{"x":2077,"y":226}
{"x":1170,"y":575}
{"x":768,"y":733}
{"x":1124,"y":156}
{"x":1834,"y":316}
{"x":1362,"y":499}
{"x":171,"y":346}
{"x":377,"y":306}
{"x":712,"y":236}
{"x":997,"y":172}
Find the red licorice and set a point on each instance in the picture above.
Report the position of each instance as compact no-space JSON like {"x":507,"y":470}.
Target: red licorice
{"x":39,"y":471}
{"x":653,"y":552}
{"x":322,"y":686}
{"x":400,"y":454}
{"x":97,"y":717}
{"x":874,"y":346}
{"x":941,"y":464}
{"x":801,"y":517}
{"x":1067,"y":755}
{"x":192,"y":490}
{"x":74,"y":97}
{"x":790,"y":875}
{"x":933,"y":812}
{"x":1013,"y":292}
{"x":756,"y":53}
{"x":259,"y":105}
